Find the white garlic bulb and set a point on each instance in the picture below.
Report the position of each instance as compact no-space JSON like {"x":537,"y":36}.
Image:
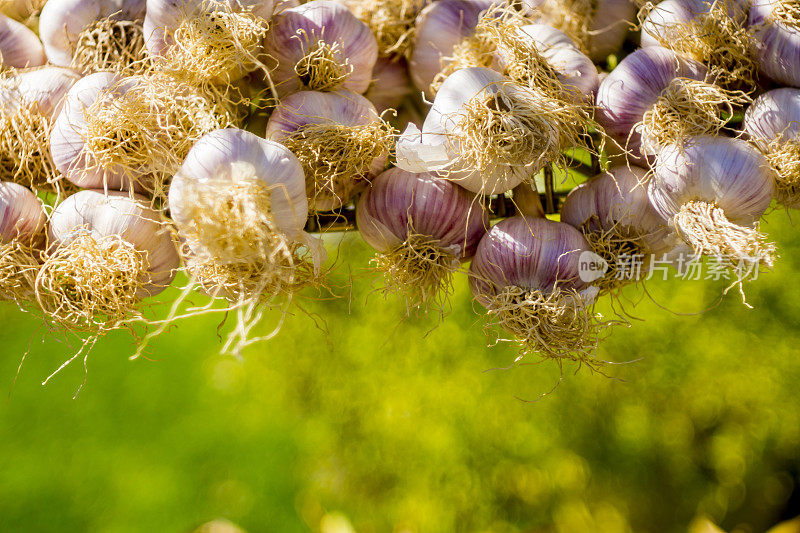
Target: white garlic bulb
{"x":21,"y":214}
{"x":19,"y":46}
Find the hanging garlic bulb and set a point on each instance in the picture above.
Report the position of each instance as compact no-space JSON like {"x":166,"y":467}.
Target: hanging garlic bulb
{"x":31,"y":99}
{"x":22,"y":220}
{"x":424,"y":227}
{"x":390,"y":84}
{"x":614,"y":213}
{"x":118,"y":133}
{"x":527,"y":274}
{"x":19,"y":46}
{"x":320,"y":46}
{"x":439,"y":28}
{"x":713,"y":190}
{"x":489,"y":134}
{"x":711,"y":31}
{"x":207,"y":41}
{"x":598,"y":27}
{"x":775,"y":39}
{"x":107,"y":251}
{"x":773,"y":124}
{"x":93,"y":35}
{"x":391,"y":22}
{"x":655,"y":97}
{"x":338,"y":137}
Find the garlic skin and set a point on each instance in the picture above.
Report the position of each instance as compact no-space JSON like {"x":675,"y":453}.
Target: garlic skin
{"x":233,"y":155}
{"x":62,"y":22}
{"x":439,"y":28}
{"x":295,"y":32}
{"x":22,"y":216}
{"x":19,"y":46}
{"x":21,"y":10}
{"x":634,"y":87}
{"x":390,"y":85}
{"x":340,"y":108}
{"x":117,"y":214}
{"x":775,"y":44}
{"x":46,"y":86}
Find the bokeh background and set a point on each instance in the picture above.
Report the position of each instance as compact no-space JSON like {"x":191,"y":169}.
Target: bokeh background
{"x":357,"y":418}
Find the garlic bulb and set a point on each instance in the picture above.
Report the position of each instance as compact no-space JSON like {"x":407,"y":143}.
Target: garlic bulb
{"x":705,"y":30}
{"x":391,"y":21}
{"x":655,"y":97}
{"x":390,"y":85}
{"x":107,"y":252}
{"x":118,"y":133}
{"x":614,"y":213}
{"x":19,"y":46}
{"x":775,"y":39}
{"x":339,"y":139}
{"x":22,"y":220}
{"x":489,"y":134}
{"x":31,"y":99}
{"x":423,"y":227}
{"x":93,"y":35}
{"x":439,"y":28}
{"x":773,"y":124}
{"x":207,"y":42}
{"x":527,"y":272}
{"x":598,"y":27}
{"x":713,"y":190}
{"x":320,"y":46}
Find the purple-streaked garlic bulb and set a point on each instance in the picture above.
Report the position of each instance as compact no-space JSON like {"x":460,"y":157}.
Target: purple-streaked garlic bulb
{"x":527,"y":274}
{"x":21,"y":10}
{"x":773,"y":125}
{"x":320,"y":46}
{"x":239,"y":203}
{"x":107,"y":251}
{"x":339,"y":139}
{"x":775,"y":40}
{"x":19,"y":46}
{"x":22,"y":219}
{"x":439,"y":28}
{"x":488,"y":133}
{"x":655,"y":97}
{"x":204,"y":42}
{"x":390,"y":84}
{"x":713,"y":190}
{"x":423,"y":227}
{"x":31,"y":99}
{"x":93,"y":35}
{"x":118,"y":133}
{"x":598,"y":27}
{"x":711,"y":31}
{"x":391,"y":22}
{"x":614,"y":213}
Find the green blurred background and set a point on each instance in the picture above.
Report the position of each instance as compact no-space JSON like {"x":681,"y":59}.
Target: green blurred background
{"x":381,"y":423}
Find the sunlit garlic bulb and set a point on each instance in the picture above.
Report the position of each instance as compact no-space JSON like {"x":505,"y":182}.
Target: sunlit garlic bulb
{"x":19,"y":46}
{"x":118,"y":133}
{"x":390,"y":85}
{"x":93,"y":35}
{"x":22,"y":220}
{"x":339,"y":139}
{"x":320,"y":46}
{"x":207,"y":41}
{"x":106,"y":253}
{"x":30,"y":101}
{"x":775,"y":41}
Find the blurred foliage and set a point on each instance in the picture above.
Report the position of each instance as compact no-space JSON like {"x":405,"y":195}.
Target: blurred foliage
{"x":355,"y":418}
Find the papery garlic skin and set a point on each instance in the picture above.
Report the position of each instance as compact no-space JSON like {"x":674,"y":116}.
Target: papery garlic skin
{"x":633,"y":88}
{"x":728,"y":173}
{"x":774,"y":114}
{"x":21,"y":10}
{"x":400,"y":204}
{"x":775,"y":44}
{"x":439,"y":28}
{"x":62,"y":22}
{"x":46,"y":86}
{"x":233,"y":155}
{"x":21,"y":214}
{"x":19,"y":46}
{"x":294,"y":32}
{"x":118,"y":214}
{"x":390,"y":85}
